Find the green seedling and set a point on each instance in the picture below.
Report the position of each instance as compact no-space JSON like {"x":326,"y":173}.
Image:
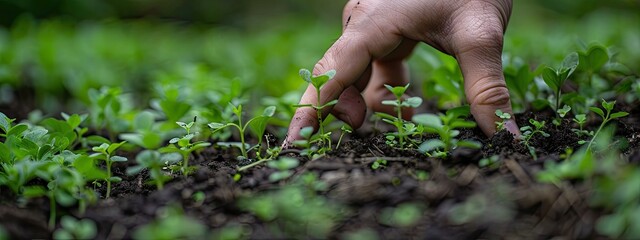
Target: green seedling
{"x":171,"y":223}
{"x":606,"y":117}
{"x":146,"y":133}
{"x":581,"y":119}
{"x":185,"y":147}
{"x":528,"y":132}
{"x":76,"y":229}
{"x":283,"y":167}
{"x":378,"y":164}
{"x":106,"y":110}
{"x":105,"y":152}
{"x":154,"y":161}
{"x":318,"y":83}
{"x":445,"y":125}
{"x":307,"y":143}
{"x":257,"y":125}
{"x":404,"y":215}
{"x":560,"y":114}
{"x":492,"y":162}
{"x":398,"y":104}
{"x":343,"y":130}
{"x":504,"y":117}
{"x":555,"y":78}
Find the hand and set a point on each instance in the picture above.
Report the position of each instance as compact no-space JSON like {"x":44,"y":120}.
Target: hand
{"x":379,"y":34}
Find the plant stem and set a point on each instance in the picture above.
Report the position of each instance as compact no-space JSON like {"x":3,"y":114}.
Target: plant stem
{"x":604,"y":121}
{"x":52,"y":211}
{"x":400,"y":123}
{"x":558,"y":102}
{"x":339,"y":140}
{"x":108,"y":177}
{"x":245,"y":167}
{"x":185,"y":161}
{"x":319,"y":113}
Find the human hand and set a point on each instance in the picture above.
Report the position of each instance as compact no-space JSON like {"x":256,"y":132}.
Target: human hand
{"x":379,"y":34}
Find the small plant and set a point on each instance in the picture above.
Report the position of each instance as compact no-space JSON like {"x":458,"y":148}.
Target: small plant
{"x":171,"y":223}
{"x":398,"y":104}
{"x":504,"y":117}
{"x":283,"y":167}
{"x":445,"y":125}
{"x":343,"y":130}
{"x":528,"y":132}
{"x":257,"y":125}
{"x":606,"y":117}
{"x":318,"y":82}
{"x":555,"y":78}
{"x":581,"y":119}
{"x":378,"y":164}
{"x":105,"y":152}
{"x":560,"y":114}
{"x":308,"y":148}
{"x":185,"y":146}
{"x":154,"y":161}
{"x":76,"y":229}
{"x":492,"y":162}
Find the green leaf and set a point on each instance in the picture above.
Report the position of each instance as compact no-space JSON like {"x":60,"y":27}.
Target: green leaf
{"x":118,"y":159}
{"x":390,"y":102}
{"x":608,"y":105}
{"x":611,"y":225}
{"x":551,"y":78}
{"x":428,"y":120}
{"x":618,"y":115}
{"x":216,"y":126}
{"x":430,"y":145}
{"x":570,"y":63}
{"x":144,"y":121}
{"x":5,"y":122}
{"x":284,"y":163}
{"x":115,"y":179}
{"x":330,"y":103}
{"x":277,"y":176}
{"x":269,"y":111}
{"x":469,"y":144}
{"x":414,"y":102}
{"x":34,"y":191}
{"x":73,"y":120}
{"x":102,"y":148}
{"x":17,"y":129}
{"x":305,"y":74}
{"x":306,"y":132}
{"x":595,"y":57}
{"x":397,"y":91}
{"x":115,"y":146}
{"x":597,"y":111}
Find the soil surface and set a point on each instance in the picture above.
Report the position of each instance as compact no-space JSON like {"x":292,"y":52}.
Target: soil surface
{"x":503,"y":200}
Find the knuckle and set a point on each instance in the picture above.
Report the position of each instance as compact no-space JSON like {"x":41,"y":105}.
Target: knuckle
{"x":491,"y":94}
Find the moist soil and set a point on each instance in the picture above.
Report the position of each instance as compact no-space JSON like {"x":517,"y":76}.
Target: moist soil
{"x":516,"y":205}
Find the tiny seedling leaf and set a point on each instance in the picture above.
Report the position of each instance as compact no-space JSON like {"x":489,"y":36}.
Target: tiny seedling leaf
{"x":216,"y":126}
{"x":306,"y":132}
{"x":618,"y":115}
{"x":115,"y":179}
{"x":551,"y":78}
{"x":430,"y":145}
{"x":469,"y":144}
{"x":305,"y":74}
{"x":331,"y":103}
{"x":428,"y":120}
{"x":414,"y":102}
{"x":118,"y":159}
{"x":570,"y":63}
{"x":390,"y":102}
{"x":269,"y":111}
{"x":597,"y":111}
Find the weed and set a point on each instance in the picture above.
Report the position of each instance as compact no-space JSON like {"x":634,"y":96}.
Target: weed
{"x":154,"y":161}
{"x":318,"y":82}
{"x":445,"y":125}
{"x":555,"y":78}
{"x":76,"y":229}
{"x":606,"y":117}
{"x":343,"y":130}
{"x":504,"y":117}
{"x":378,"y":164}
{"x":398,"y":104}
{"x":528,"y":132}
{"x":283,"y":167}
{"x":257,"y":125}
{"x":185,"y":146}
{"x":105,"y":152}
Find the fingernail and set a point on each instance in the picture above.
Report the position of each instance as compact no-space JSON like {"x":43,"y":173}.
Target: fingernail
{"x":512,"y":127}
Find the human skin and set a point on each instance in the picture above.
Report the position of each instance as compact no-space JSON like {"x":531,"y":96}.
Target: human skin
{"x":377,"y":37}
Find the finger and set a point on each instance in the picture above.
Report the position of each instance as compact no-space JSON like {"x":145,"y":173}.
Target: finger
{"x":479,"y":55}
{"x":351,"y":108}
{"x":390,"y":70}
{"x":350,"y":56}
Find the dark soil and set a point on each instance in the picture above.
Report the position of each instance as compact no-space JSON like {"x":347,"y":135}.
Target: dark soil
{"x":515,"y":206}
